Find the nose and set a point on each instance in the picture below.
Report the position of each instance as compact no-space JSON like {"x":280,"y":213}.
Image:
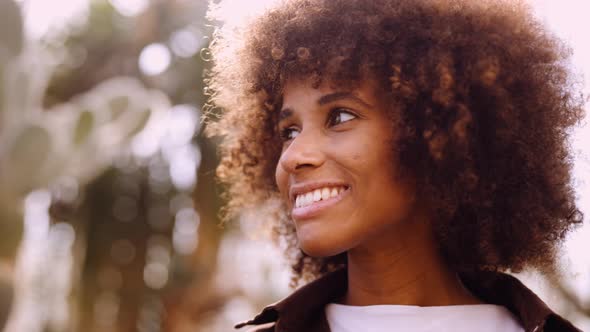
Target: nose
{"x":303,"y":152}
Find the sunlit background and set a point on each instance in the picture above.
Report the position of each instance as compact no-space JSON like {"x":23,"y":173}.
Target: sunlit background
{"x":108,"y":205}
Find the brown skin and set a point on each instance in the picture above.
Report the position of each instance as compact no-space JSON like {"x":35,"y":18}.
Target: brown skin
{"x":403,"y":266}
{"x":392,"y":253}
{"x":344,"y":141}
{"x":480,"y":103}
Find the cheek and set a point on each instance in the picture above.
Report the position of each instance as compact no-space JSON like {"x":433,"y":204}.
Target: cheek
{"x":385,"y":190}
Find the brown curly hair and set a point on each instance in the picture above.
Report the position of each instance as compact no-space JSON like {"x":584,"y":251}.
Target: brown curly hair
{"x":482,"y":99}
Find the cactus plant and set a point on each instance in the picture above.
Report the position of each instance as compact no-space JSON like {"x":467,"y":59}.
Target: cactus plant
{"x":39,"y":148}
{"x":77,"y":139}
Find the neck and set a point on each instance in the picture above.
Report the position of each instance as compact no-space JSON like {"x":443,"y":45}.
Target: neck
{"x":403,"y":266}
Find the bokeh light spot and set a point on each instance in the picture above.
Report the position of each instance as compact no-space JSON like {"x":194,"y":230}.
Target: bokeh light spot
{"x":154,"y":59}
{"x":129,"y":7}
{"x":155,"y":275}
{"x":185,"y":42}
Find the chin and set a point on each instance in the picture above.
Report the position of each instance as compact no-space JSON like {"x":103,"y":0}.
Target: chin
{"x":315,"y":245}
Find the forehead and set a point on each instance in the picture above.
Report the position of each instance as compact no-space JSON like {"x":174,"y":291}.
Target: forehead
{"x":302,"y":90}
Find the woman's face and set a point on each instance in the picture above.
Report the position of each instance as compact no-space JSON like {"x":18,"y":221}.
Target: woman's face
{"x":336,"y":171}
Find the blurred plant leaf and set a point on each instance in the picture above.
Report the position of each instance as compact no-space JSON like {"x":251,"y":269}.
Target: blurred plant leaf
{"x":142,"y":119}
{"x":118,"y":105}
{"x":6,"y":295}
{"x":11,"y":229}
{"x":11,"y":31}
{"x":2,"y":92}
{"x":83,"y":127}
{"x":29,"y":150}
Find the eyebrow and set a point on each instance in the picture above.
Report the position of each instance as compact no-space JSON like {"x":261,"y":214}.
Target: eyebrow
{"x":332,"y":97}
{"x":326,"y":99}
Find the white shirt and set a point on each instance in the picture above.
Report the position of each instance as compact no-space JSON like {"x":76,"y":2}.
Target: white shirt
{"x":404,"y":318}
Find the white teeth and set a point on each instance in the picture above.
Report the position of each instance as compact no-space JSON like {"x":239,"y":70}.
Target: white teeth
{"x":317,"y":195}
{"x":308,"y":199}
{"x":334,"y":192}
{"x":325,"y":193}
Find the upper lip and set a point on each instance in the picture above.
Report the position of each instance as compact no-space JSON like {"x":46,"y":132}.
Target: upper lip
{"x":305,"y":187}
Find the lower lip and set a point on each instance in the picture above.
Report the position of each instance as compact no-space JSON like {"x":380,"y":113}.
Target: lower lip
{"x":314,"y":209}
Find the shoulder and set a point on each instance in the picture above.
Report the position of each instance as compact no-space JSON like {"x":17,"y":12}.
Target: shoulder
{"x":507,"y":291}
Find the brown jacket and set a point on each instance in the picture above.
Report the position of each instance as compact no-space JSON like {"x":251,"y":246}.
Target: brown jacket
{"x":304,"y":309}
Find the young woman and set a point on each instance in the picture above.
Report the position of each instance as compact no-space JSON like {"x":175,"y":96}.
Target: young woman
{"x":408,"y":152}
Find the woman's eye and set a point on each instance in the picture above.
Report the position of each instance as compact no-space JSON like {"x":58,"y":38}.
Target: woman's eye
{"x":289,"y":133}
{"x":340,"y":115}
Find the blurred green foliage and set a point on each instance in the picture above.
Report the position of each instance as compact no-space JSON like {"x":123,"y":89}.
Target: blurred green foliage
{"x":109,"y":45}
{"x":125,"y":209}
{"x":11,"y":43}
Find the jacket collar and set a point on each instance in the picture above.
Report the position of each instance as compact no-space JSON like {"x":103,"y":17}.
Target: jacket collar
{"x":306,"y":305}
{"x":505,"y":290}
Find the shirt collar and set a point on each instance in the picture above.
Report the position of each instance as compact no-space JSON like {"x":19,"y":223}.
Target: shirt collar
{"x":491,"y":287}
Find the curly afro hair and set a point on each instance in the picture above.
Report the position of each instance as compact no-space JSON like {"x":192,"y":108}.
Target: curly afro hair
{"x":481,"y":97}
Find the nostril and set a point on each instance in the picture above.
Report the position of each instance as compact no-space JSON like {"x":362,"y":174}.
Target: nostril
{"x":300,"y":165}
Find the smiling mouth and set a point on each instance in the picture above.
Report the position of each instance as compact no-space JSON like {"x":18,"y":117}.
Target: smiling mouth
{"x":312,"y":203}
{"x":320,"y":194}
